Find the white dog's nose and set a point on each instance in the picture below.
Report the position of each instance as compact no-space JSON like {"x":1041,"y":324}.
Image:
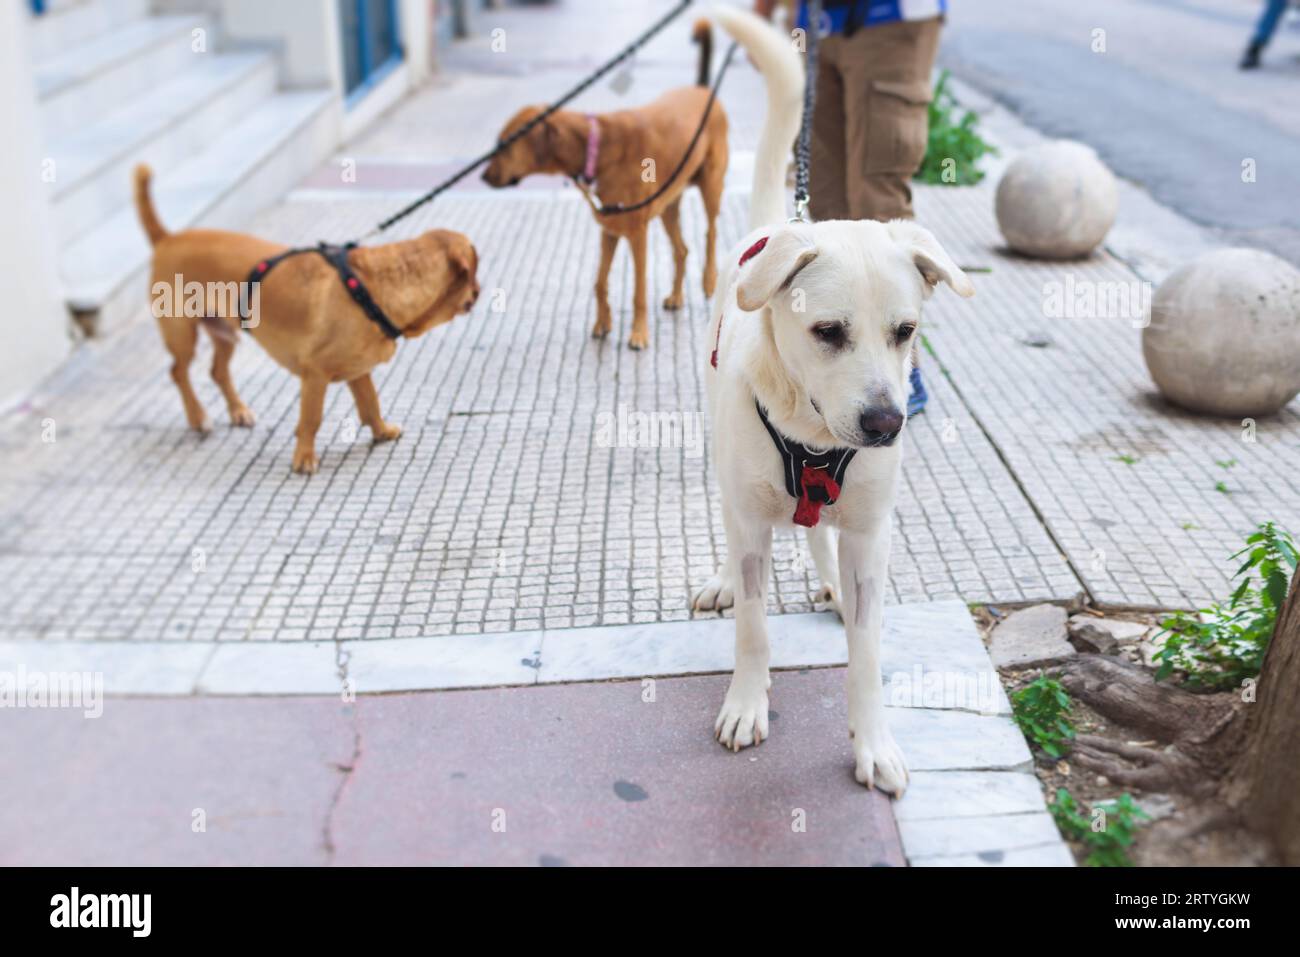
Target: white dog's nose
{"x":880,"y":424}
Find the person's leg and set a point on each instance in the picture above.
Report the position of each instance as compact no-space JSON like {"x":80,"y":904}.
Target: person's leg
{"x":917,"y":396}
{"x":887,"y":93}
{"x":827,"y":186}
{"x":1264,"y":30}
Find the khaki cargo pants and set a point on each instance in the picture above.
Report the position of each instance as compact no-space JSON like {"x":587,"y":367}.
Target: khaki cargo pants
{"x":871,"y":122}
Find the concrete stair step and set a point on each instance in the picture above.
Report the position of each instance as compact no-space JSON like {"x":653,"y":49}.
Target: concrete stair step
{"x":82,"y":84}
{"x":163,"y":128}
{"x":253,"y":163}
{"x":68,"y":23}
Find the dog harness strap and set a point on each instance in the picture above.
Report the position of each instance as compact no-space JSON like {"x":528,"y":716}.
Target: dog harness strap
{"x":593,"y":149}
{"x":814,"y":478}
{"x":336,"y":256}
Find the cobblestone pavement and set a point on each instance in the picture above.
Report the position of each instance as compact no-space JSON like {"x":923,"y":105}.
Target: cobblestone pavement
{"x":501,"y":508}
{"x":1148,"y":501}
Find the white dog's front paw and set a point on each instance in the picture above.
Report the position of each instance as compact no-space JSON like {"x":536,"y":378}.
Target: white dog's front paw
{"x":715,"y":596}
{"x":879,"y":762}
{"x":743,"y":718}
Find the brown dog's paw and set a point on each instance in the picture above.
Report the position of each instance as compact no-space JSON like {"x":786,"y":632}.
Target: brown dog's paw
{"x":673,"y":302}
{"x":242,"y":417}
{"x":600,"y":330}
{"x":203,"y":426}
{"x":305,"y":461}
{"x":386,"y":432}
{"x":638,"y":341}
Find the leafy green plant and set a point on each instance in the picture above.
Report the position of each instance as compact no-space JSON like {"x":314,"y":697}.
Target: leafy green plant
{"x":1107,"y":831}
{"x":1127,"y":459}
{"x":1221,"y":487}
{"x":954,"y":147}
{"x":1221,"y":646}
{"x":1042,"y":711}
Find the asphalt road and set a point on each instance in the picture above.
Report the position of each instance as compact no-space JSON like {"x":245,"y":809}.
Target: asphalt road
{"x":1158,"y":94}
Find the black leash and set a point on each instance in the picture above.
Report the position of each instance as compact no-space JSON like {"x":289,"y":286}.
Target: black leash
{"x":534,"y":122}
{"x":803,"y":146}
{"x":613,"y":209}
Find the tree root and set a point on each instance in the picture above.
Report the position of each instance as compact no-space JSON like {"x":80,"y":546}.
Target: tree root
{"x":1141,"y":767}
{"x":1199,"y":733}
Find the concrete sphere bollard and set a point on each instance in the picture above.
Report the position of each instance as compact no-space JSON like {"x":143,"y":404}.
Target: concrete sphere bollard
{"x":1056,"y":201}
{"x":1224,"y":336}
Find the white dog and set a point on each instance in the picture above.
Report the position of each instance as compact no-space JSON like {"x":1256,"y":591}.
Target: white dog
{"x":813,"y":332}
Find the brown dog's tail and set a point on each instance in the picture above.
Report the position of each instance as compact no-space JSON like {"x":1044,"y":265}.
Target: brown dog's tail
{"x":153,"y":228}
{"x":702,"y":36}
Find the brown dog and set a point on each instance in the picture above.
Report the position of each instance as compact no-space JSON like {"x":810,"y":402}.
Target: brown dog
{"x":615,"y":152}
{"x":305,"y":317}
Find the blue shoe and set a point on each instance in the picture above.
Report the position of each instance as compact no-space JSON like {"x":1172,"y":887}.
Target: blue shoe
{"x":918,"y":397}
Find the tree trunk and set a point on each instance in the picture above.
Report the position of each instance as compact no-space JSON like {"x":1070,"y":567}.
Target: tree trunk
{"x":1265,"y":783}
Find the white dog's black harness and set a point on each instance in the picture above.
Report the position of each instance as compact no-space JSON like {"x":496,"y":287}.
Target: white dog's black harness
{"x":336,"y":256}
{"x":814,"y":478}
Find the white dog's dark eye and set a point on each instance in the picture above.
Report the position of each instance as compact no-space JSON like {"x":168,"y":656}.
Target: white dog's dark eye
{"x":831,"y":333}
{"x":904,"y":332}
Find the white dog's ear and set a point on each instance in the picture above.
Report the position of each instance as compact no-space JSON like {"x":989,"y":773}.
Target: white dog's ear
{"x":771,"y":264}
{"x":933,"y":263}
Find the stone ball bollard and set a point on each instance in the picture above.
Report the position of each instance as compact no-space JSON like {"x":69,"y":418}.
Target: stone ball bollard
{"x":1056,"y":201}
{"x":1224,"y":336}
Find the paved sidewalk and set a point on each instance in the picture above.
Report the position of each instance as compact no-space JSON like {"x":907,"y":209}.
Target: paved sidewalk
{"x":500,"y":509}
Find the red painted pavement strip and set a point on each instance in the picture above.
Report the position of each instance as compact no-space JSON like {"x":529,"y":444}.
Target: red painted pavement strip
{"x":580,"y":774}
{"x":122,"y":789}
{"x":591,"y":774}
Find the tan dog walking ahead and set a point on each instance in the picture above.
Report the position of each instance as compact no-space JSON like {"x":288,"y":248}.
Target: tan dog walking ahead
{"x":308,"y":313}
{"x":610,"y":154}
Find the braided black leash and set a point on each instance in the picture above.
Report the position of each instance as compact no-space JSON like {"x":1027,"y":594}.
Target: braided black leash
{"x":803,"y":146}
{"x":540,"y":118}
{"x":613,"y":209}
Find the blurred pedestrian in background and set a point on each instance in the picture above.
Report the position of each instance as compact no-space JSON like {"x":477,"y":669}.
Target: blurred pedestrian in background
{"x":1264,"y":30}
{"x":871,"y":123}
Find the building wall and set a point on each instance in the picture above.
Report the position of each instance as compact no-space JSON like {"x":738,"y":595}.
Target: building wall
{"x":36,"y":332}
{"x":35,"y":329}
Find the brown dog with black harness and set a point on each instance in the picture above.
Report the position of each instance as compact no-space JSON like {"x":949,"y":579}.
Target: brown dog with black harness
{"x":327,"y":314}
{"x":610,"y":155}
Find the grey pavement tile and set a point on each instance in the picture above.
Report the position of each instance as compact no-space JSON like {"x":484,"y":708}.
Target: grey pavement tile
{"x":960,"y":794}
{"x":991,"y":835}
{"x":169,"y":668}
{"x":952,"y":740}
{"x":279,"y":668}
{"x":1054,"y":853}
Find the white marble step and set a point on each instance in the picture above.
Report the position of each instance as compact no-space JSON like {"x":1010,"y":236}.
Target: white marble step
{"x":252,"y":164}
{"x":163,"y":128}
{"x":66,"y":24}
{"x":84,"y":82}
